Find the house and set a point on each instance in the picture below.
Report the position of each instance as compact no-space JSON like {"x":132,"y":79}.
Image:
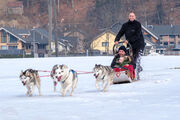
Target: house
{"x":77,"y":35}
{"x":23,"y":42}
{"x":12,"y":40}
{"x":41,"y":40}
{"x":104,"y":42}
{"x":169,"y":37}
{"x":15,"y":7}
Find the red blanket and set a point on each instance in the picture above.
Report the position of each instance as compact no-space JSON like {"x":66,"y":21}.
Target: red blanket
{"x":130,"y":68}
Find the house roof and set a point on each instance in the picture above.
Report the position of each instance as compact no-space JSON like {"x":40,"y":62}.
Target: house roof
{"x":152,"y":33}
{"x":148,"y":40}
{"x":15,"y":4}
{"x":72,"y":41}
{"x":40,"y":34}
{"x":103,"y":32}
{"x":116,"y":27}
{"x":165,"y":29}
{"x":16,"y":32}
{"x":75,"y":30}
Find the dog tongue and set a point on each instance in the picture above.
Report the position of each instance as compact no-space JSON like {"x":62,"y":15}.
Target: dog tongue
{"x":59,"y":78}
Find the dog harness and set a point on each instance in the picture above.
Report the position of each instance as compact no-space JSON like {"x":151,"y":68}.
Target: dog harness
{"x":103,"y":77}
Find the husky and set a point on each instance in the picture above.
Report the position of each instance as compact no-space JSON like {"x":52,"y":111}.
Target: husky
{"x":30,"y":78}
{"x":105,"y":75}
{"x":67,"y":77}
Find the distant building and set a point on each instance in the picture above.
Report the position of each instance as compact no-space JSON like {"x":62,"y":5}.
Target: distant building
{"x":79,"y":37}
{"x":15,"y":41}
{"x":104,"y":42}
{"x":169,"y":37}
{"x":15,"y":8}
{"x":12,"y":41}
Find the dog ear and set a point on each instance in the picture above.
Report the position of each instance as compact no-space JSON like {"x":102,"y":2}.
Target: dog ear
{"x":27,"y":73}
{"x":65,"y":66}
{"x":21,"y":72}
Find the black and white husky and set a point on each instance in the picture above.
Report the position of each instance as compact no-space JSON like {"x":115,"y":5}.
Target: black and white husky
{"x":30,"y":78}
{"x":103,"y":74}
{"x":67,"y":77}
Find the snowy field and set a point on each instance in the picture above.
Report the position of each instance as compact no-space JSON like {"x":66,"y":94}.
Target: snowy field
{"x":155,"y":97}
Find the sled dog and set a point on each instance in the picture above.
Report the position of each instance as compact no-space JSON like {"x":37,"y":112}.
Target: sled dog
{"x":103,"y":74}
{"x":67,"y":77}
{"x":30,"y":78}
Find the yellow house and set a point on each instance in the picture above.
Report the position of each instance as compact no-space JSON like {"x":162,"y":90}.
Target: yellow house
{"x":104,"y":42}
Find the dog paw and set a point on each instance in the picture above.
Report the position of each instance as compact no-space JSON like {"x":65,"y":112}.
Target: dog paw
{"x":105,"y":90}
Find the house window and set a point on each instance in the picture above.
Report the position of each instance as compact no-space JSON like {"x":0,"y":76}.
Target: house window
{"x":172,"y":43}
{"x":161,"y":37}
{"x":40,"y":46}
{"x":28,"y":46}
{"x":3,"y":47}
{"x":105,"y":44}
{"x":3,"y":37}
{"x":12,"y":39}
{"x":165,"y":43}
{"x":12,"y":47}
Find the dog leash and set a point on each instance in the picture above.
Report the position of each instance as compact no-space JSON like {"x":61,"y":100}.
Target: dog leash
{"x":43,"y":71}
{"x":78,"y":72}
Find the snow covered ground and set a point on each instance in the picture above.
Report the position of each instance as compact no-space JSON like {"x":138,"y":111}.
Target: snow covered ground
{"x":155,"y":97}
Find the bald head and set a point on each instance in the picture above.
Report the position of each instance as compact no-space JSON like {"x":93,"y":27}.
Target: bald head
{"x":132,"y":16}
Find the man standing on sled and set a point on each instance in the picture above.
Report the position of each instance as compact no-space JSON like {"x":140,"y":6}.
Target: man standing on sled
{"x":134,"y":36}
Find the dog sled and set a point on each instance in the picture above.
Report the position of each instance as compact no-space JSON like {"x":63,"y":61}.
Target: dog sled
{"x":125,"y":74}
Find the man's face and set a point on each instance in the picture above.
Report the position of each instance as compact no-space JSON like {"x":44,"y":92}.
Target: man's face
{"x":121,"y":52}
{"x":132,"y":16}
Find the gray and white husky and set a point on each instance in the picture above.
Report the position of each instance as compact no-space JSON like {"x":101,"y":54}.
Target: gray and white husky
{"x":30,"y":78}
{"x":103,"y":74}
{"x":67,"y":77}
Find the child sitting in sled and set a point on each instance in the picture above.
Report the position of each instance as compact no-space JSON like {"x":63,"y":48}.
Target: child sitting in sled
{"x":121,"y":59}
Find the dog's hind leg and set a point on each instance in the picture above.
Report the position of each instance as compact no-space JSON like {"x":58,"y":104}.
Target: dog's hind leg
{"x":74,"y":86}
{"x":39,"y":88}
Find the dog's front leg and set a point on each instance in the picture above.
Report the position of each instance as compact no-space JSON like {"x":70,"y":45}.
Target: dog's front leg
{"x":28,"y":90}
{"x":104,"y":85}
{"x":62,"y":89}
{"x":55,"y":83}
{"x":97,"y":85}
{"x":32,"y":90}
{"x":66,"y":89}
